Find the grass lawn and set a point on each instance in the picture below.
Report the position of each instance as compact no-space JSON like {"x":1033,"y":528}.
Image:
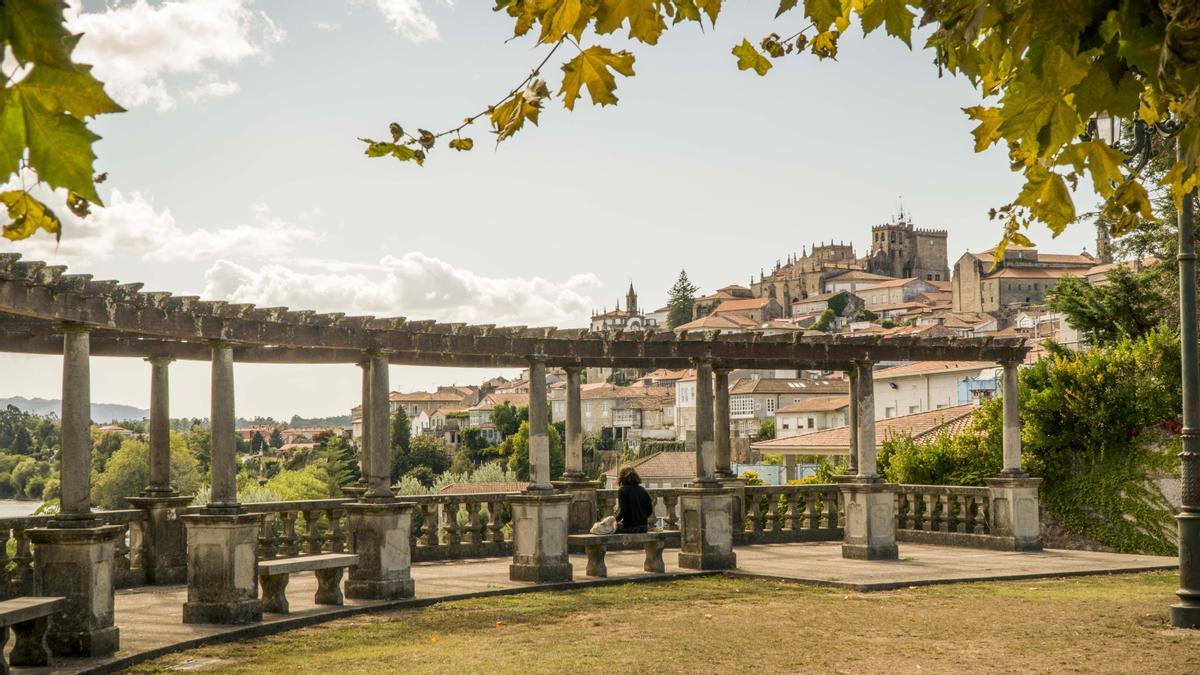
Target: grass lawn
{"x":1083,"y":624}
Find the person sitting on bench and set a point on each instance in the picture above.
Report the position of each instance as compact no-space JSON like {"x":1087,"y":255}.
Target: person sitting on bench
{"x":634,"y":506}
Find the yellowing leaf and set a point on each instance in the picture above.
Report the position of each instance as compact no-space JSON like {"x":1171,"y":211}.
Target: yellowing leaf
{"x":1105,"y":165}
{"x":711,"y":8}
{"x":462,"y":144}
{"x":749,"y":58}
{"x":785,"y":6}
{"x":988,"y":131}
{"x":823,"y":12}
{"x":1046,"y":196}
{"x":645,"y":20}
{"x":593,"y":68}
{"x":1175,"y":182}
{"x":27,"y":216}
{"x":560,"y":18}
{"x":74,"y":91}
{"x":508,"y":117}
{"x":60,"y":149}
{"x":894,"y":14}
{"x":824,"y":44}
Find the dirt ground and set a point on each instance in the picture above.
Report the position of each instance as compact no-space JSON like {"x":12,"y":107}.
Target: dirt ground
{"x":1084,"y":624}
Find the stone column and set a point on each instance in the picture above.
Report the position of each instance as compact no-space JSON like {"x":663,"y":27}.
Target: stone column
{"x":379,"y":526}
{"x":364,"y":442}
{"x":76,"y":424}
{"x":866,"y":421}
{"x":721,"y":423}
{"x":707,"y":509}
{"x":379,"y":473}
{"x":1014,"y":495}
{"x":222,"y":542}
{"x":159,"y":545}
{"x":539,"y":428}
{"x":706,"y":457}
{"x":160,"y":429}
{"x":574,"y":427}
{"x":541,"y":518}
{"x":73,"y":557}
{"x":574,"y":482}
{"x":870,"y":503}
{"x":852,"y":418}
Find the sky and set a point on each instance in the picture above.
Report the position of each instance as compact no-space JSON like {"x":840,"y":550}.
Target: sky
{"x":237,"y":174}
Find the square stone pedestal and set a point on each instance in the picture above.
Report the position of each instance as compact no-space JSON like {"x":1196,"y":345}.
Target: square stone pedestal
{"x":77,"y":563}
{"x":222,"y":569}
{"x":380,"y":534}
{"x":737,"y":488}
{"x":1014,"y":511}
{"x":870,"y":527}
{"x":583,"y":509}
{"x":706,"y":523}
{"x":540,"y":523}
{"x":159,"y":546}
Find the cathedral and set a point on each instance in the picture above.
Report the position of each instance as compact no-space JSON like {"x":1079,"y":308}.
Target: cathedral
{"x":630,"y":318}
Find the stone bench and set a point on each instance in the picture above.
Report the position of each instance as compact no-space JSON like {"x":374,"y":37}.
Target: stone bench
{"x":29,"y":617}
{"x":597,"y":544}
{"x":273,"y":575}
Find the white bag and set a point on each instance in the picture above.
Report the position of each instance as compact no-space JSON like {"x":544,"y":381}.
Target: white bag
{"x":607,"y":525}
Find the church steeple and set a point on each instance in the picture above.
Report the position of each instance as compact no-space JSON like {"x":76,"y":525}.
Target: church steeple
{"x":631,"y":305}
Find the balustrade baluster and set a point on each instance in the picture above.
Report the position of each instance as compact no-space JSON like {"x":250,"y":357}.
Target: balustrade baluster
{"x":450,"y":522}
{"x":956,"y":513}
{"x":810,"y":512}
{"x":830,"y":500}
{"x":913,"y":511}
{"x":496,"y":521}
{"x":931,"y":517}
{"x":796,"y":511}
{"x":652,"y":521}
{"x":268,"y":540}
{"x":943,"y":504}
{"x":429,"y":533}
{"x":337,"y":540}
{"x":121,"y":556}
{"x":5,"y":574}
{"x":290,"y":542}
{"x":312,"y":534}
{"x":982,"y":526}
{"x":755,"y":510}
{"x":23,"y":563}
{"x":671,"y":503}
{"x":772,"y":524}
{"x":474,"y":527}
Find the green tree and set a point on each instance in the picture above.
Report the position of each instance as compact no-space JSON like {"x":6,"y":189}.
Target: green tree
{"x":199,"y":444}
{"x":826,"y":322}
{"x":103,"y":447}
{"x":276,"y":440}
{"x":332,"y":467}
{"x":766,"y":430}
{"x":257,"y":442}
{"x":681,"y":300}
{"x":429,"y":451}
{"x":1042,"y":71}
{"x":401,"y":440}
{"x":518,"y":461}
{"x":45,"y":102}
{"x":1131,"y":304}
{"x":127,"y":472}
{"x":507,"y":418}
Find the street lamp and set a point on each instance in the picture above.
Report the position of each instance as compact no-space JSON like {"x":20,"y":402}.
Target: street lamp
{"x":1186,"y":612}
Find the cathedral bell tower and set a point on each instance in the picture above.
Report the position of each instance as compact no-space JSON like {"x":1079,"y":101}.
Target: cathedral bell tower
{"x":631,"y":301}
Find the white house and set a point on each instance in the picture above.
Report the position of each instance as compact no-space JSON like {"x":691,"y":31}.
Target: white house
{"x":931,"y":385}
{"x":812,"y":414}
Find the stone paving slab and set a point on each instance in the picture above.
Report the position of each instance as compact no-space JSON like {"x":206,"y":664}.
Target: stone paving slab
{"x":150,"y":618}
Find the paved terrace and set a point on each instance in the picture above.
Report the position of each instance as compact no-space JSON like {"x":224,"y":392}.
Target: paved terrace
{"x":150,"y":617}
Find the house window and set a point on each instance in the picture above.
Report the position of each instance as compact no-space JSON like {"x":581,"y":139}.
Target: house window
{"x":889,"y":412}
{"x":785,"y":425}
{"x":811,"y":423}
{"x":914,"y":409}
{"x":770,"y":406}
{"x":741,"y":405}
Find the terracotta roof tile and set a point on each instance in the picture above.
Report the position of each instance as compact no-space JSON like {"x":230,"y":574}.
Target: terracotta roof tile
{"x":663,"y":465}
{"x":931,"y":368}
{"x":817,"y":404}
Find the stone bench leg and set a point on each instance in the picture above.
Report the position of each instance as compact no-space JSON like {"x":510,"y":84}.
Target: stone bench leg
{"x":595,"y":563}
{"x":274,"y":593}
{"x":654,"y":559}
{"x":30,"y":647}
{"x":329,"y":587}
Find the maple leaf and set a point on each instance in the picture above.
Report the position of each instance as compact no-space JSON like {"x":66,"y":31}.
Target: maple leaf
{"x":823,"y":12}
{"x":60,"y":147}
{"x":893,"y":14}
{"x":824,"y":45}
{"x":27,"y":215}
{"x":785,"y":6}
{"x":988,"y":131}
{"x":1046,"y":196}
{"x":645,"y":20}
{"x":593,"y":68}
{"x":35,"y":31}
{"x":72,"y":90}
{"x":508,"y":117}
{"x":749,"y":58}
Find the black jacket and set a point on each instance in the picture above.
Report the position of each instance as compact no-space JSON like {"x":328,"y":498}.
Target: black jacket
{"x":634,"y":508}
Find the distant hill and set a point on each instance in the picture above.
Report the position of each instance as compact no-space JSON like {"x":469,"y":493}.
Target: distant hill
{"x":102,"y":413}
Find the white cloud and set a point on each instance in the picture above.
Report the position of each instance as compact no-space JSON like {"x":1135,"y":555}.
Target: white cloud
{"x":140,"y":49}
{"x":328,"y":27}
{"x":414,"y":285}
{"x":132,"y":228}
{"x":407,"y":17}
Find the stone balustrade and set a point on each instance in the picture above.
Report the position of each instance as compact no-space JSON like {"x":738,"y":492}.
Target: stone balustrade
{"x":16,"y":550}
{"x":943,"y":514}
{"x":446,"y":527}
{"x":295,"y":528}
{"x":786,"y":513}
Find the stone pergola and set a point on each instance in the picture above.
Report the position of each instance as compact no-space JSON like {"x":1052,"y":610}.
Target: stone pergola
{"x":44,"y":310}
